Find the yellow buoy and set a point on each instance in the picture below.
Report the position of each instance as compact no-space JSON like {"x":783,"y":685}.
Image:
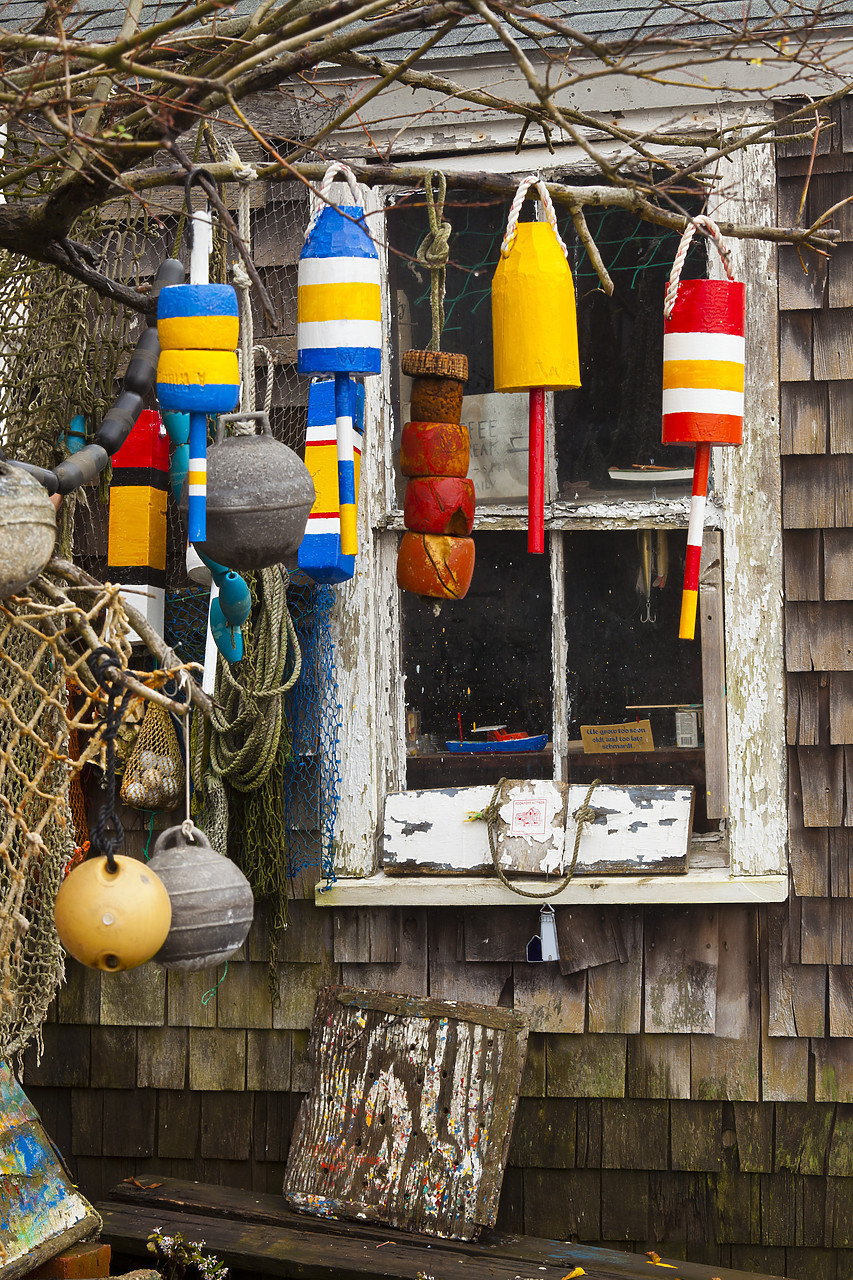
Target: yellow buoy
{"x":112,"y":920}
{"x":534,"y":322}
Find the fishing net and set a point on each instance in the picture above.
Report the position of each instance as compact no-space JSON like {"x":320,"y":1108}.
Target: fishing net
{"x":48,"y":695}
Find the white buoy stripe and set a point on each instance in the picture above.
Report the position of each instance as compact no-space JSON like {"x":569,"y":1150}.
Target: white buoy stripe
{"x":338,"y":271}
{"x":702,"y":400}
{"x":331,"y":334}
{"x":704,"y":346}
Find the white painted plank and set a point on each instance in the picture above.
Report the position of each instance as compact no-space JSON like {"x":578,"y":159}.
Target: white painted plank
{"x":707,"y":886}
{"x":637,"y":829}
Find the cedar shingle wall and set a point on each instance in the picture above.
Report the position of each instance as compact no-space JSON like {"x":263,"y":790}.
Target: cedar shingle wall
{"x":690,"y":1073}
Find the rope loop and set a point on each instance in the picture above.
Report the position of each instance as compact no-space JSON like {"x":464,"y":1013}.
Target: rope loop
{"x":701,"y":223}
{"x":107,"y":833}
{"x":329,"y":178}
{"x":582,"y":816}
{"x":434,"y":251}
{"x":532,"y":179}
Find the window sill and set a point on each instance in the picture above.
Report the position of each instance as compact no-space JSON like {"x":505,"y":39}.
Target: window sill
{"x":712,"y":885}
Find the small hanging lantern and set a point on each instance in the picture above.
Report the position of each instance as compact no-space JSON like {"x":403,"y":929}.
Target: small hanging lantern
{"x":703,"y":380}
{"x":339,"y":322}
{"x":27,"y":528}
{"x":198,"y":326}
{"x":112,"y":919}
{"x":534,"y":330}
{"x":212,"y":903}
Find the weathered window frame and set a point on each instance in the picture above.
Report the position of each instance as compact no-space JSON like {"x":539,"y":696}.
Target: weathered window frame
{"x":748,"y":516}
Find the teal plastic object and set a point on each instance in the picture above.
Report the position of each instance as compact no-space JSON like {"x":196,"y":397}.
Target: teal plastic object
{"x":229,"y":640}
{"x":178,"y":427}
{"x":229,"y":611}
{"x":178,"y":468}
{"x":75,"y":437}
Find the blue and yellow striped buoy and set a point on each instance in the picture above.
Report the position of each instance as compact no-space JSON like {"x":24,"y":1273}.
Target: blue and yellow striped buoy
{"x":320,"y":553}
{"x":197,"y":373}
{"x":339,"y":325}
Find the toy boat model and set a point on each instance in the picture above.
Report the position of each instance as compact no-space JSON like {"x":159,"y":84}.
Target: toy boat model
{"x":652,"y":475}
{"x":498,"y":740}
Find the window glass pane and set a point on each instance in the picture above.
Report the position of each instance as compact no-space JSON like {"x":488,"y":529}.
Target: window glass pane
{"x":612,"y":422}
{"x":485,"y":660}
{"x":626,"y":662}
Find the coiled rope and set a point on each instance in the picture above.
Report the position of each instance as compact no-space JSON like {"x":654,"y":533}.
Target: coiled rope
{"x":248,"y":716}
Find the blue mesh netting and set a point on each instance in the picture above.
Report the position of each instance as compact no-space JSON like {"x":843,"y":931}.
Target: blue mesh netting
{"x":311,"y":781}
{"x":312,"y":778}
{"x":185,"y":625}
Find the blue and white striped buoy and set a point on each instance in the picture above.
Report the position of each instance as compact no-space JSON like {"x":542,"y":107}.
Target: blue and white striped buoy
{"x":339,"y":323}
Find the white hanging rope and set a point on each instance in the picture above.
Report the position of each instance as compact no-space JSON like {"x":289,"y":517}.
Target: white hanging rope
{"x":259,"y":346}
{"x":703,"y":222}
{"x":245,"y":175}
{"x":329,"y":178}
{"x":532,"y":179}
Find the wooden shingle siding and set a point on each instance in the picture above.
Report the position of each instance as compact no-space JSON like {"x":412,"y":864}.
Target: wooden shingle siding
{"x":817,"y":492}
{"x":805,"y":417}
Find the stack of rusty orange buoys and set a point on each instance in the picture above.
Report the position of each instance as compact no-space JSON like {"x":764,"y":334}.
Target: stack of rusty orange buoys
{"x":436,"y":556}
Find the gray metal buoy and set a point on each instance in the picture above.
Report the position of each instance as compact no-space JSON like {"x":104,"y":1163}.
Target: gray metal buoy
{"x":212,"y":903}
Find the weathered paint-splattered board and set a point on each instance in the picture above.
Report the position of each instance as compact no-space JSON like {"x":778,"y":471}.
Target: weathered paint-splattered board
{"x":40,"y":1211}
{"x":410,"y":1113}
{"x":636,"y":830}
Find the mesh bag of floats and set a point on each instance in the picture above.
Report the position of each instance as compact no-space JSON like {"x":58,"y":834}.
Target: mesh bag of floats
{"x":154,"y":773}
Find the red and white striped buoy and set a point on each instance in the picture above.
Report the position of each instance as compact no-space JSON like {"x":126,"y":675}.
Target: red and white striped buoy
{"x":703,"y":378}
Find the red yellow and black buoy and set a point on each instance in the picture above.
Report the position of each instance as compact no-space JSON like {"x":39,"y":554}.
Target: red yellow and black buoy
{"x":534,"y":330}
{"x":703,"y":381}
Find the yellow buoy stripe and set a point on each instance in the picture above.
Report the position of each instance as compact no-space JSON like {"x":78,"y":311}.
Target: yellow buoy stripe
{"x":338,"y":302}
{"x":197,"y":477}
{"x":725,"y":375}
{"x":199,"y":333}
{"x":203,"y":367}
{"x":137,"y":526}
{"x":687,"y":623}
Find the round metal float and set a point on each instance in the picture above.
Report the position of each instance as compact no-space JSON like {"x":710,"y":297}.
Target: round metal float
{"x":212,"y":903}
{"x":27,"y":528}
{"x":259,"y":496}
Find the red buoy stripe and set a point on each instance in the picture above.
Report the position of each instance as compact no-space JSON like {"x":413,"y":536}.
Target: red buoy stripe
{"x":708,"y":306}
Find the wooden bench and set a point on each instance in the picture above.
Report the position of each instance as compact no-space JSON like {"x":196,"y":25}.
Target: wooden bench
{"x":254,"y":1233}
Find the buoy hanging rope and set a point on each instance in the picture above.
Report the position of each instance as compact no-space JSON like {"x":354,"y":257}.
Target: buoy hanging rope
{"x":330,"y":177}
{"x":434,"y":251}
{"x":702,"y":384}
{"x":107,"y":834}
{"x":537,"y":181}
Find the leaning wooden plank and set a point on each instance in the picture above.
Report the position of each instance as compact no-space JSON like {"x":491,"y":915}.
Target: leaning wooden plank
{"x":636,"y":830}
{"x":410,"y":1112}
{"x":41,"y":1212}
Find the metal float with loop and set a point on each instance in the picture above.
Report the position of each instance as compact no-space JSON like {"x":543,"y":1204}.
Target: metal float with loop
{"x":211,"y":900}
{"x":534,"y":329}
{"x":703,"y":382}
